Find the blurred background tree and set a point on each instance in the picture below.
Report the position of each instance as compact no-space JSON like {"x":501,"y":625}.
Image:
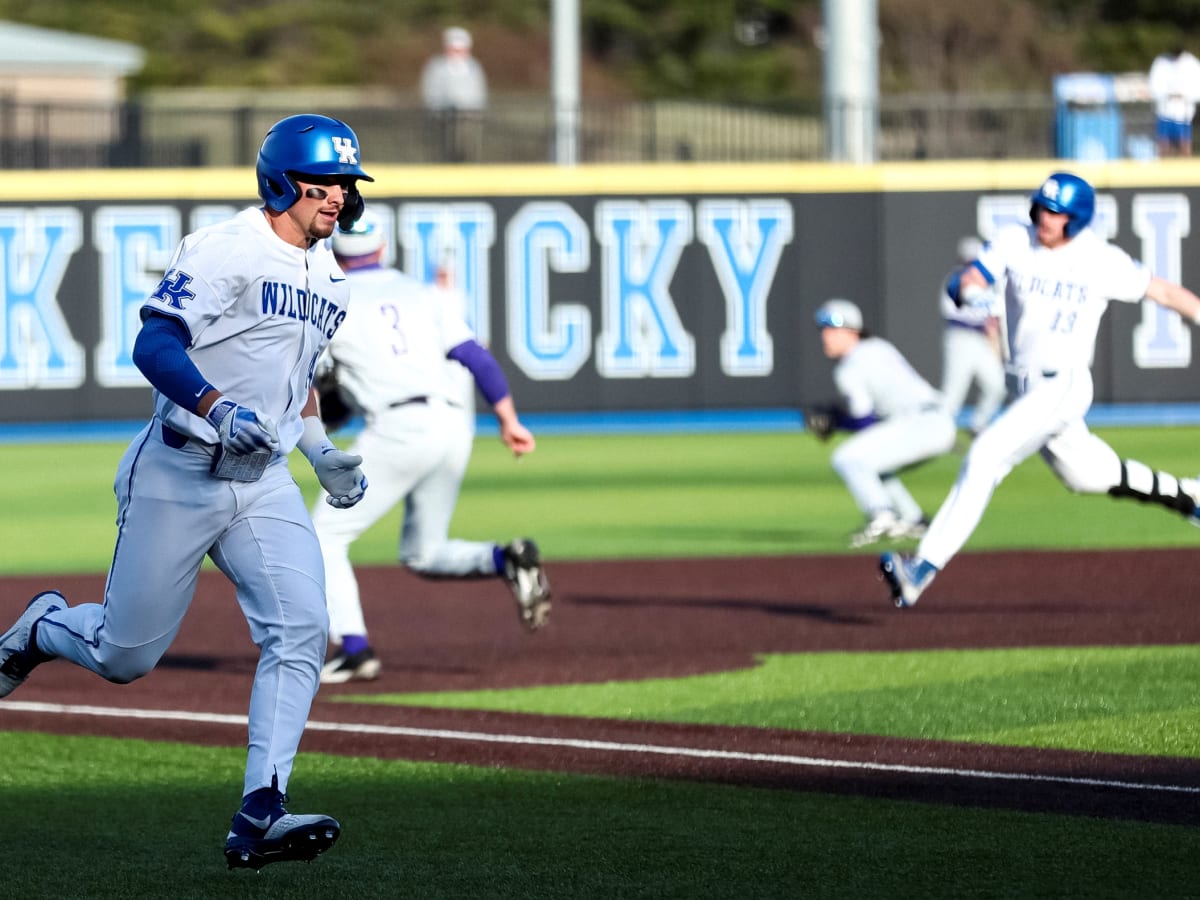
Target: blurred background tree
{"x":724,"y":50}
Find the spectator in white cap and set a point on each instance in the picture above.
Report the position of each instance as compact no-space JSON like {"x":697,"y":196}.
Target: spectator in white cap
{"x":454,"y":91}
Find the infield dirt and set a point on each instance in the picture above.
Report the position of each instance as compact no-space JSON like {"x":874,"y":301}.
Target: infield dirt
{"x":635,"y":620}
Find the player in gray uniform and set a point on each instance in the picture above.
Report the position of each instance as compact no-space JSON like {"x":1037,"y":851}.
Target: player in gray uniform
{"x":229,"y":340}
{"x":971,"y":352}
{"x":898,"y":420}
{"x":1059,"y":277}
{"x":400,"y":358}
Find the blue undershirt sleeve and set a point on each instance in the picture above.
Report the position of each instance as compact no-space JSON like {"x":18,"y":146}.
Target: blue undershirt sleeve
{"x":160,"y":353}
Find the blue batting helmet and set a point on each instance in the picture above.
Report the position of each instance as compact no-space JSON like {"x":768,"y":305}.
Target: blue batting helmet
{"x":304,"y":145}
{"x":1063,"y":192}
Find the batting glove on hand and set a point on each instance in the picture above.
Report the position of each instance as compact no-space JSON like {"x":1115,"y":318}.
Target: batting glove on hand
{"x":340,"y":475}
{"x":240,"y":429}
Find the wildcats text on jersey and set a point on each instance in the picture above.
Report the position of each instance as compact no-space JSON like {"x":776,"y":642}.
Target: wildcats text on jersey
{"x":279,"y":299}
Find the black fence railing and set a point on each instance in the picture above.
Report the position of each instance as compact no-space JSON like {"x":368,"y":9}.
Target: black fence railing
{"x":522,"y":130}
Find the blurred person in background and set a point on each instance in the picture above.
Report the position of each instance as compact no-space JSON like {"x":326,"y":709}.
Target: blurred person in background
{"x":897,"y":418}
{"x":399,"y":358}
{"x":454,"y":91}
{"x":1059,"y":277}
{"x":1175,"y":87}
{"x":971,"y":353}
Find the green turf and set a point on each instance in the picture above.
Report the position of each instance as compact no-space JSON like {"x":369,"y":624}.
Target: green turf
{"x":617,"y":497}
{"x":92,"y":817}
{"x":132,"y":820}
{"x":1138,"y":700}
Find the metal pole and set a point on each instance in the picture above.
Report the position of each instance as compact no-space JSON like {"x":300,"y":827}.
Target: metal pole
{"x":851,"y":45}
{"x":565,"y":68}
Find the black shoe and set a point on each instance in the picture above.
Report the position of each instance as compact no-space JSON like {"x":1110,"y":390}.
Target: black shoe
{"x":526,"y":578}
{"x":360,"y":666}
{"x":279,"y":837}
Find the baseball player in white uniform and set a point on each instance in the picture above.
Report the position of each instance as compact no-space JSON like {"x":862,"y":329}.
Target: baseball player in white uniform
{"x":1060,"y":276}
{"x":898,"y":420}
{"x":399,"y":358}
{"x":229,"y":340}
{"x":971,"y":352}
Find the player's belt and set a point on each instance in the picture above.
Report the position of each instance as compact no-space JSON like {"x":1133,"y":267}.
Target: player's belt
{"x":954,"y":323}
{"x":396,"y":404}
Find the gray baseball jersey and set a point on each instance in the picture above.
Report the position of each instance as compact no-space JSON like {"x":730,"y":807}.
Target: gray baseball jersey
{"x":259,"y":311}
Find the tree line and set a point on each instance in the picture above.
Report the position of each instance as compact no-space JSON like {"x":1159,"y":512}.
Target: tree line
{"x":742,"y":51}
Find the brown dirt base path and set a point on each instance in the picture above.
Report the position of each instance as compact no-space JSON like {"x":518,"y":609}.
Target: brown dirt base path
{"x":636,"y":620}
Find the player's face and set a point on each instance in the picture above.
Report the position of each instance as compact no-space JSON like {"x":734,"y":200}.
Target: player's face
{"x":321,"y":199}
{"x":1051,"y":227}
{"x":836,"y":342}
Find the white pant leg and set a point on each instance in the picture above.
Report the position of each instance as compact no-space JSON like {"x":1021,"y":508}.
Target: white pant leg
{"x":989,"y":377}
{"x":958,"y":367}
{"x":1082,"y":461}
{"x":425,"y":545}
{"x":969,"y":358}
{"x":169,"y":513}
{"x":398,"y":449}
{"x":887,"y":447}
{"x":1045,"y":410}
{"x":270,"y":552}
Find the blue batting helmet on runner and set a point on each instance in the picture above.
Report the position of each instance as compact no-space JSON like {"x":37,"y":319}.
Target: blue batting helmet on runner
{"x":304,"y":145}
{"x":1063,"y":192}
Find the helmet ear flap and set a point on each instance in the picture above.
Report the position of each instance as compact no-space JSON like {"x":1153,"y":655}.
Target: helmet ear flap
{"x":352,"y":209}
{"x":278,"y":195}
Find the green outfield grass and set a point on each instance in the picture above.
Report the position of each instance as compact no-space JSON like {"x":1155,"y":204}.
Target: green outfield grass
{"x":96,"y":817}
{"x":132,"y":820}
{"x":617,"y":497}
{"x":1140,"y":700}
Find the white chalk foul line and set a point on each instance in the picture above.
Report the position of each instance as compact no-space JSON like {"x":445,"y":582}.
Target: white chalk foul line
{"x":811,"y":762}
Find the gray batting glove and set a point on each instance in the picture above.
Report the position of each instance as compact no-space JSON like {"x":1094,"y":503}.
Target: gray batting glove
{"x":240,"y":429}
{"x":340,"y":475}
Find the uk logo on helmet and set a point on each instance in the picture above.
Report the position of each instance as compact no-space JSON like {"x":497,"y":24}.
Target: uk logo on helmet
{"x":346,"y":151}
{"x":1050,"y":189}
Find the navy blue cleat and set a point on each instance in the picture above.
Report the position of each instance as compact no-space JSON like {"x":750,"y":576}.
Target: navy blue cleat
{"x":18,"y":655}
{"x":907,"y":577}
{"x":278,"y":836}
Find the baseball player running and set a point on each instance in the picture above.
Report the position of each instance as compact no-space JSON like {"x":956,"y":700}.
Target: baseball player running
{"x":898,"y":421}
{"x":399,"y":359}
{"x":229,"y":340}
{"x":971,"y":352}
{"x":1060,"y":276}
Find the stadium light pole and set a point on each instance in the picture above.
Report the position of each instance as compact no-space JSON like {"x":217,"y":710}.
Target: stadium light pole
{"x":565,"y":77}
{"x":850,"y":40}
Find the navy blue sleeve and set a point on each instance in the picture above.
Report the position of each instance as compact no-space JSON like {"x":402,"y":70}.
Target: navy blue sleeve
{"x":847,"y":422}
{"x":160,"y":353}
{"x":489,"y":377}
